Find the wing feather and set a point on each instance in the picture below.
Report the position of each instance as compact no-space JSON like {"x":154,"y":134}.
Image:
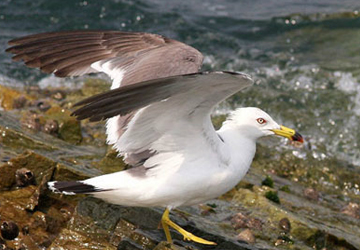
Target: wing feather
{"x":173,"y":111}
{"x":127,"y":57}
{"x":60,"y":52}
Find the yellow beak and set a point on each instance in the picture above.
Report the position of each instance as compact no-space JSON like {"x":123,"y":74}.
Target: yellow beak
{"x":288,"y":133}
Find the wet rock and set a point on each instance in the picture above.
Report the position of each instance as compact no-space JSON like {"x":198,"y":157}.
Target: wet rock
{"x":164,"y":245}
{"x":241,"y":220}
{"x":352,"y":209}
{"x":283,"y":240}
{"x":111,"y":162}
{"x":41,"y":167}
{"x":7,"y":97}
{"x":70,"y":131}
{"x":128,"y":245}
{"x":126,"y":230}
{"x":206,"y":210}
{"x":312,"y":194}
{"x":20,"y":102}
{"x":69,"y":239}
{"x":24,"y":177}
{"x":25,"y":230}
{"x":59,"y":95}
{"x":25,"y":198}
{"x":247,"y":236}
{"x":42,"y":105}
{"x":69,"y":127}
{"x":260,"y":206}
{"x":285,"y":225}
{"x":9,"y":230}
{"x":285,"y":189}
{"x":57,"y":218}
{"x":51,"y":127}
{"x":32,"y":121}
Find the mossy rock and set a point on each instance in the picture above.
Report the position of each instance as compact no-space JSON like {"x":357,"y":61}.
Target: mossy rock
{"x":65,"y":173}
{"x":69,"y":126}
{"x":94,"y":86}
{"x":41,"y":167}
{"x":8,"y":95}
{"x":110,"y":163}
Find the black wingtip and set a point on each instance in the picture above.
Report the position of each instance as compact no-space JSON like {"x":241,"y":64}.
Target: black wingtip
{"x":73,"y":187}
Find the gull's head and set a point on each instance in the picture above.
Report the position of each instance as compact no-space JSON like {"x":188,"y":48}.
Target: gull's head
{"x":256,"y":123}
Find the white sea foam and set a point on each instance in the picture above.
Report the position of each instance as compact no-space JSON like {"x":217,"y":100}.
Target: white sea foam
{"x":349,"y":84}
{"x":10,"y":82}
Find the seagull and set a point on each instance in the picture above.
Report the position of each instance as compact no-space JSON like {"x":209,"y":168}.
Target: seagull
{"x":158,"y":118}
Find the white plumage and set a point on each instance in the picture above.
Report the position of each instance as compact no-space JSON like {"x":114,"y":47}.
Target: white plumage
{"x":158,"y":113}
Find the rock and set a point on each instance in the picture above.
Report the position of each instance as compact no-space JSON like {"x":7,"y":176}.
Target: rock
{"x":69,"y":239}
{"x":111,"y":162}
{"x":164,"y":245}
{"x":9,"y":230}
{"x":352,"y":209}
{"x":283,"y":240}
{"x":206,"y":209}
{"x":25,"y":198}
{"x":69,"y":127}
{"x":41,"y":167}
{"x":19,"y":102}
{"x":24,"y":177}
{"x":51,"y":127}
{"x":31,"y":121}
{"x":42,"y":105}
{"x":247,"y":236}
{"x":126,"y":230}
{"x":7,"y":97}
{"x":58,"y":95}
{"x":285,"y":189}
{"x":285,"y":225}
{"x":64,"y":173}
{"x":241,"y":220}
{"x":311,"y":194}
{"x":128,"y":245}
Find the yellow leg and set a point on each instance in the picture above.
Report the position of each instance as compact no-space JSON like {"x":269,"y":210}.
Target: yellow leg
{"x":166,"y":227}
{"x":166,"y":222}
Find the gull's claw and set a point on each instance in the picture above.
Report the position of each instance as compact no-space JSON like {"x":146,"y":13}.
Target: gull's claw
{"x":166,"y":222}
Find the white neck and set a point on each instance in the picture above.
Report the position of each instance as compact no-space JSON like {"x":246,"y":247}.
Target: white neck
{"x":241,"y":148}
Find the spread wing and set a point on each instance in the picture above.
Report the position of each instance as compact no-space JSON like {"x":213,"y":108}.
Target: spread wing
{"x":127,"y":57}
{"x":135,"y":55}
{"x":173,"y":117}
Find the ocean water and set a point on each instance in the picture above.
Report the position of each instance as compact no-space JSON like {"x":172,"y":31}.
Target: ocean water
{"x":304,"y":55}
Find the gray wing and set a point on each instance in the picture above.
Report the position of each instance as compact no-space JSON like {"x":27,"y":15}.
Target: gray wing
{"x":127,"y":57}
{"x":172,"y":112}
{"x":142,"y":56}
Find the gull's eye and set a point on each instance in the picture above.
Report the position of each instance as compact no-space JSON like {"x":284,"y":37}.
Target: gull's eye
{"x":261,"y":120}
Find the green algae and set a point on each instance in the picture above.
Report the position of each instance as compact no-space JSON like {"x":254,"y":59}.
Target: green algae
{"x":268,"y":181}
{"x":272,"y":195}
